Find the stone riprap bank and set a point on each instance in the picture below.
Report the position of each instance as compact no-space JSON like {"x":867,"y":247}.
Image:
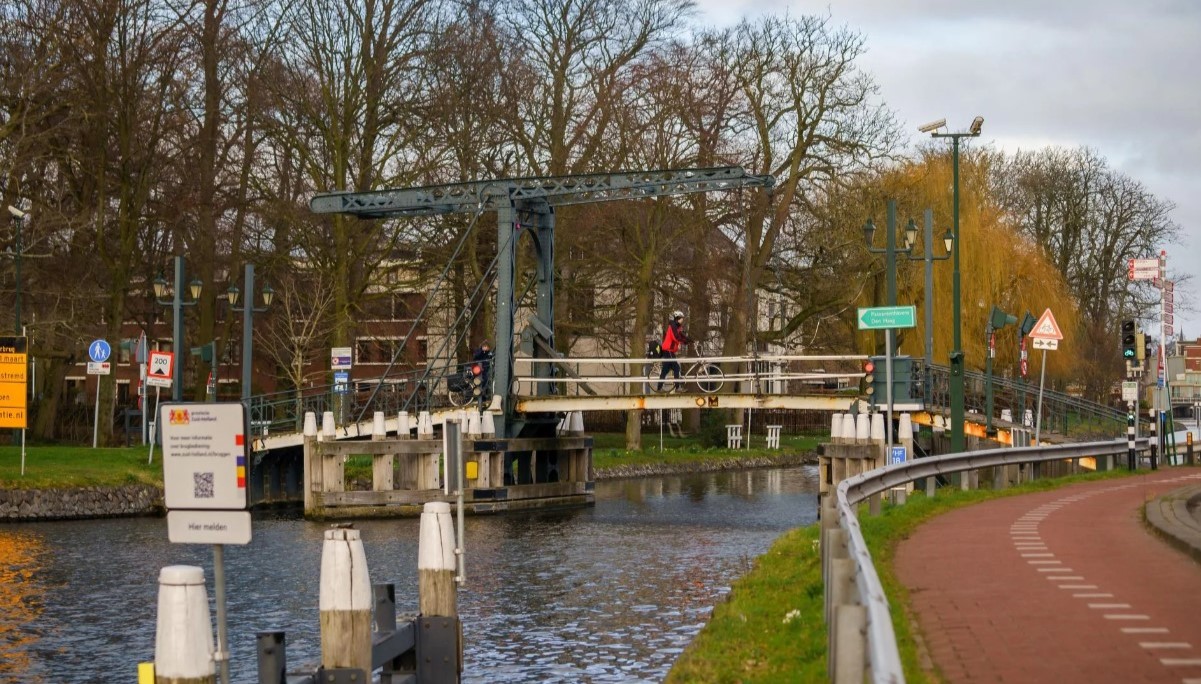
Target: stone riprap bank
{"x":18,"y":505}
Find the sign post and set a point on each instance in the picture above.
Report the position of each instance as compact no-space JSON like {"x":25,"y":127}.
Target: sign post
{"x":204,"y":489}
{"x":160,"y":370}
{"x":1045,"y":335}
{"x":98,"y":352}
{"x":887,"y":318}
{"x":14,"y":364}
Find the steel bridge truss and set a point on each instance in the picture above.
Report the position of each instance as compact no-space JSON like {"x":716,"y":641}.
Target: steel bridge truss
{"x":527,"y":206}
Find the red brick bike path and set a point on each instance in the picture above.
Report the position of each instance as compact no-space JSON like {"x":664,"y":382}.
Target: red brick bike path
{"x":1059,"y":587}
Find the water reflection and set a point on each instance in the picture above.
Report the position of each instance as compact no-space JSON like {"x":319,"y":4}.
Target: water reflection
{"x":611,"y":593}
{"x":20,"y":599}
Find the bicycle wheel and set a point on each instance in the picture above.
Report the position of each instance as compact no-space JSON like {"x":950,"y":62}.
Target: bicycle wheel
{"x":709,"y":377}
{"x":652,"y":384}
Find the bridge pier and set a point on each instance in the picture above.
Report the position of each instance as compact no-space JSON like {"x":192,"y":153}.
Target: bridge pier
{"x":499,"y":474}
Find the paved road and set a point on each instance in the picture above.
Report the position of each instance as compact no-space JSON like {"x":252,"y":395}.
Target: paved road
{"x":1058,"y":587}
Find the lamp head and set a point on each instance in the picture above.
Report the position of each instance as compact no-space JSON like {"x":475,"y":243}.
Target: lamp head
{"x":232,"y":295}
{"x":932,"y":126}
{"x":910,"y":234}
{"x":948,"y":240}
{"x":977,"y":122}
{"x":160,"y":287}
{"x":16,"y":213}
{"x":869,"y":229}
{"x":268,"y":295}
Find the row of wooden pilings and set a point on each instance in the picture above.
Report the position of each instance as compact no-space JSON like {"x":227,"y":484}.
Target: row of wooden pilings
{"x":184,"y":650}
{"x":857,"y":445}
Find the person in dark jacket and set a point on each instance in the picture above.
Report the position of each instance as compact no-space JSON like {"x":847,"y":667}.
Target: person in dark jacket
{"x":483,"y":356}
{"x":673,"y":337}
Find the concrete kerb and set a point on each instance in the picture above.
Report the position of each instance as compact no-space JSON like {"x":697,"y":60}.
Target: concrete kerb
{"x":1169,"y":517}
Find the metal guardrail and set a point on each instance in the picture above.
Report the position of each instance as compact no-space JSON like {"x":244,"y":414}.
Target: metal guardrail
{"x":881,"y":659}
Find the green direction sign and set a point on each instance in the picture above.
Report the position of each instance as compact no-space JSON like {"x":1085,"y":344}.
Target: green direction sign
{"x":881,"y":317}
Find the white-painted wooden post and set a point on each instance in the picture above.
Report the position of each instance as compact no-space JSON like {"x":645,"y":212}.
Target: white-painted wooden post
{"x":848,"y":428}
{"x":879,"y":448}
{"x":835,"y":428}
{"x":382,"y":478}
{"x":436,"y":590}
{"x":183,"y":640}
{"x":905,"y":437}
{"x":312,"y":474}
{"x":328,"y":426}
{"x":345,"y":602}
{"x":863,"y":429}
{"x":404,"y":427}
{"x":487,"y":425}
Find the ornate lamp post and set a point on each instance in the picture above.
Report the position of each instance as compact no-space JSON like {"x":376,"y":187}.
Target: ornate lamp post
{"x":248,"y":311}
{"x":162,"y":290}
{"x":958,"y":441}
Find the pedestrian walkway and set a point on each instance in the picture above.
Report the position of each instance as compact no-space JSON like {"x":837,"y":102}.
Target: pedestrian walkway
{"x":1058,"y":587}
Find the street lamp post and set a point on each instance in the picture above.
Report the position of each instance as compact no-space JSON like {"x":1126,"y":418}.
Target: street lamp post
{"x":19,"y":218}
{"x":958,"y":441}
{"x":177,"y":303}
{"x":890,"y":256}
{"x":248,"y":311}
{"x":927,"y":257}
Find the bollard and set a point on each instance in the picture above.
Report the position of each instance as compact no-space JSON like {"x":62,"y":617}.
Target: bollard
{"x":403,"y":427}
{"x":836,"y":428}
{"x":183,"y":640}
{"x":378,"y":429}
{"x":576,"y":423}
{"x":848,"y":428}
{"x":436,"y":562}
{"x":345,"y":602}
{"x":487,"y":425}
{"x":425,"y":426}
{"x":272,"y":660}
{"x":863,"y":429}
{"x":310,"y":424}
{"x":472,"y":426}
{"x":327,"y":426}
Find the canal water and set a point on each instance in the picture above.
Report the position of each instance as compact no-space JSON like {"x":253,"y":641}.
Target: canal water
{"x":610,"y":593}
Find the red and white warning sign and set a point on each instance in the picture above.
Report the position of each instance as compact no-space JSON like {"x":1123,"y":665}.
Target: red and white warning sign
{"x":160,"y":369}
{"x":1046,"y":328}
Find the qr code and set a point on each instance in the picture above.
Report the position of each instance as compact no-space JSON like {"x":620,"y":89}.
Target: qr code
{"x":202,"y":485}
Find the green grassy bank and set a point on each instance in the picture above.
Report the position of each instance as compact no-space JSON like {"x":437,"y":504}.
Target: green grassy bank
{"x":68,"y":467}
{"x":770,"y":628}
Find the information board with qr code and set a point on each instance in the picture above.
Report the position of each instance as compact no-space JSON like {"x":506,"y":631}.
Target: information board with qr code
{"x":204,"y":456}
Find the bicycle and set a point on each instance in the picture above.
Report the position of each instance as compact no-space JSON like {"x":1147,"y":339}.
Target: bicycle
{"x":466,"y":385}
{"x":707,"y":376}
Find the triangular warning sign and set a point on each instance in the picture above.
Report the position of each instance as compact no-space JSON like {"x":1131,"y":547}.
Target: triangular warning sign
{"x":1046,"y":328}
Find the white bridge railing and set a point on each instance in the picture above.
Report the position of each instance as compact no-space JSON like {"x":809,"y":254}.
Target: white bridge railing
{"x":624,"y":372}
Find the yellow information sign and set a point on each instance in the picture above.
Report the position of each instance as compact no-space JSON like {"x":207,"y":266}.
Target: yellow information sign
{"x":13,"y":364}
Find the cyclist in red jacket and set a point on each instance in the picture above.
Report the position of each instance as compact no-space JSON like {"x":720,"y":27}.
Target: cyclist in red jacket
{"x":673,"y":337}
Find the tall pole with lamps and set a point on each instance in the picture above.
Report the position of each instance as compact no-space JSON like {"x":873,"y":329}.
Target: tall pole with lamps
{"x":248,"y":311}
{"x":177,"y":303}
{"x":19,"y":218}
{"x":958,"y":440}
{"x":910,"y":238}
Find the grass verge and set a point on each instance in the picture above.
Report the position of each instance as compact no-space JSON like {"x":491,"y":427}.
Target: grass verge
{"x":771,"y":628}
{"x":69,"y":467}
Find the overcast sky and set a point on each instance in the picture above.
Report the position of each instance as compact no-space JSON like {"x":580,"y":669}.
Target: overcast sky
{"x":1118,"y":76}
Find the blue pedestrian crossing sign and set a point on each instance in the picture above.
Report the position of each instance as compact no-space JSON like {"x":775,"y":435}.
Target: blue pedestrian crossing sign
{"x":99,"y":351}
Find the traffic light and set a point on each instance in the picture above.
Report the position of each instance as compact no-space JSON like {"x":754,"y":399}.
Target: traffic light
{"x":1146,"y":346}
{"x":869,"y":380}
{"x":1129,"y":341}
{"x":1142,"y":347}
